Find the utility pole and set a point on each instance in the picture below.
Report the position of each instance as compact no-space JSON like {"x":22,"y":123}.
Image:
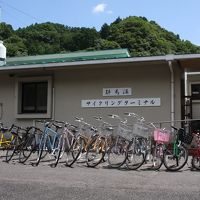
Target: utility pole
{"x":0,"y":14}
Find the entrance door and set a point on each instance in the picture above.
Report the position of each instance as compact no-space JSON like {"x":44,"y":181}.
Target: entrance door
{"x":195,"y":94}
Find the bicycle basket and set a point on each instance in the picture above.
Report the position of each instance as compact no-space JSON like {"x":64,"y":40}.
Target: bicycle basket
{"x":185,"y":137}
{"x":86,"y":131}
{"x":6,"y":136}
{"x":106,"y":131}
{"x":142,"y":130}
{"x":125,"y":132}
{"x":162,"y":136}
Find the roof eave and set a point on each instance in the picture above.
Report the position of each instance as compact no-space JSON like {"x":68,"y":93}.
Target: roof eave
{"x":105,"y":61}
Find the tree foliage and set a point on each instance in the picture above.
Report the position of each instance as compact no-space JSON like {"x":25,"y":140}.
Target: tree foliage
{"x":140,"y":36}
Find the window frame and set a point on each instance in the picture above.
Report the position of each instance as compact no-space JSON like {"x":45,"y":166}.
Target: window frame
{"x":34,"y":97}
{"x":18,"y":97}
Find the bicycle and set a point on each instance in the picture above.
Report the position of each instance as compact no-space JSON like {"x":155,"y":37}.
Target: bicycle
{"x":117,"y":153}
{"x":68,"y":147}
{"x":5,"y":138}
{"x":98,"y":146}
{"x":19,"y":135}
{"x":176,"y":154}
{"x":161,"y":139}
{"x":140,"y":142}
{"x":30,"y":144}
{"x":195,"y":162}
{"x":49,"y":141}
{"x":86,"y":134}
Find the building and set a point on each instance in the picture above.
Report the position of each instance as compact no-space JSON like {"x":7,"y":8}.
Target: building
{"x":85,"y":84}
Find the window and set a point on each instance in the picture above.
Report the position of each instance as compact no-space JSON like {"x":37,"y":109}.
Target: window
{"x":195,"y":90}
{"x":34,"y":96}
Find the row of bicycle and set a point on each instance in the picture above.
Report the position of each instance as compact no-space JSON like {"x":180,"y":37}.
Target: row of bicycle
{"x":125,"y":144}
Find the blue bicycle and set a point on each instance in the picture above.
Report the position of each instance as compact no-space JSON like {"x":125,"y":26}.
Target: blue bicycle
{"x":49,"y":141}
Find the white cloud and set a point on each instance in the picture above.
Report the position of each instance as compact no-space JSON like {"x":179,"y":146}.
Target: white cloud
{"x":99,"y":8}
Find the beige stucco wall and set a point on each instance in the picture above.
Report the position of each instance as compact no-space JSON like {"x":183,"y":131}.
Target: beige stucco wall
{"x":6,"y":99}
{"x":146,"y":81}
{"x":75,"y":84}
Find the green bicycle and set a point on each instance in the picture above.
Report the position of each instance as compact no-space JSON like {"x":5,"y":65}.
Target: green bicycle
{"x":176,"y":154}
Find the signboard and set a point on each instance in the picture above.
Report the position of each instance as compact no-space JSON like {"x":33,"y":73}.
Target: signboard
{"x":106,"y":103}
{"x":117,"y":91}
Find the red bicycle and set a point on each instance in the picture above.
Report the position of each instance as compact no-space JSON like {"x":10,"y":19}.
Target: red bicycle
{"x":196,"y":153}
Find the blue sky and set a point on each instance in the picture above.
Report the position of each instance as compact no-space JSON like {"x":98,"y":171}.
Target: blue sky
{"x":179,"y":16}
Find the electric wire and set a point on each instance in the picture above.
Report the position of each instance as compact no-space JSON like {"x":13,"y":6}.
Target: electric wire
{"x":20,"y":11}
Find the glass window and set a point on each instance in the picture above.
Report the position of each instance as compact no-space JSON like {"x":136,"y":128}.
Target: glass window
{"x":195,"y":90}
{"x":34,"y":97}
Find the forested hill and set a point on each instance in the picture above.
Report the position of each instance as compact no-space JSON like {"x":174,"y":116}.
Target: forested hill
{"x":140,"y":36}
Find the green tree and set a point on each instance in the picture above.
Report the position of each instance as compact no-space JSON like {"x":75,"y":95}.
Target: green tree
{"x":105,"y":31}
{"x":15,"y":46}
{"x":140,"y":36}
{"x":6,"y":31}
{"x":102,"y":44}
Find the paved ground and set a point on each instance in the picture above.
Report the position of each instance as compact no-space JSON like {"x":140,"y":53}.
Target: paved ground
{"x":43,"y":182}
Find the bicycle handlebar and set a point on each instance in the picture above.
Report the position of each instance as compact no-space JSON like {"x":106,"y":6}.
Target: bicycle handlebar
{"x":15,"y":126}
{"x":113,"y":116}
{"x":100,"y":119}
{"x":129,"y":114}
{"x":66,"y":124}
{"x":174,"y":128}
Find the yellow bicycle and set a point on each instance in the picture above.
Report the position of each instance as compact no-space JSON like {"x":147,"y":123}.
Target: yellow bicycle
{"x":5,"y":138}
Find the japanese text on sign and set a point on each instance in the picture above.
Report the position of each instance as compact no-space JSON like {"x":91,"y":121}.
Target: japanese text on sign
{"x":117,"y":91}
{"x":102,"y":103}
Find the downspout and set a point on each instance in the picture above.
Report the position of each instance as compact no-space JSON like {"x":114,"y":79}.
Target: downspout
{"x":172,"y":86}
{"x":186,"y":82}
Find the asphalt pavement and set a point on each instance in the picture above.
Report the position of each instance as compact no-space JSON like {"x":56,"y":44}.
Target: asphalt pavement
{"x":26,"y":182}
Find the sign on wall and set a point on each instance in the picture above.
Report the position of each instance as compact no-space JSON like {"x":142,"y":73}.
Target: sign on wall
{"x":102,"y":103}
{"x":117,"y":91}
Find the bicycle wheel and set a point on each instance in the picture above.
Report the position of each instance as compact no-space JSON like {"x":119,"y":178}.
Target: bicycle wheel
{"x":117,"y":153}
{"x":157,"y":157}
{"x":196,"y":162}
{"x":11,"y":150}
{"x":175,"y":162}
{"x":27,"y":149}
{"x":59,"y":150}
{"x":73,"y":153}
{"x":41,"y":149}
{"x":135,"y":155}
{"x":95,"y":152}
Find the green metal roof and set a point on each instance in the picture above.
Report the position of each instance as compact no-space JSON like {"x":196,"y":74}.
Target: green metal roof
{"x":68,"y":57}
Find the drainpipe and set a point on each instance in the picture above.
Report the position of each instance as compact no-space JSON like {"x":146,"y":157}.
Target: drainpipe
{"x":186,"y":82}
{"x":172,"y":112}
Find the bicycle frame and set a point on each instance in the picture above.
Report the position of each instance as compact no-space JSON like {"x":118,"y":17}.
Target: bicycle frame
{"x":196,"y":151}
{"x":3,"y":141}
{"x":66,"y":135}
{"x":49,"y":145}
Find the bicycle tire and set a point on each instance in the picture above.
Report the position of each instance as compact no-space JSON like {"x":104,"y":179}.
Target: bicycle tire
{"x":41,"y":148}
{"x":27,"y":149}
{"x":135,"y":155}
{"x":196,"y":162}
{"x":60,"y":150}
{"x":74,"y":152}
{"x":175,"y":163}
{"x":157,"y":157}
{"x":117,"y":154}
{"x":12,"y":149}
{"x":2,"y":149}
{"x":95,"y":152}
